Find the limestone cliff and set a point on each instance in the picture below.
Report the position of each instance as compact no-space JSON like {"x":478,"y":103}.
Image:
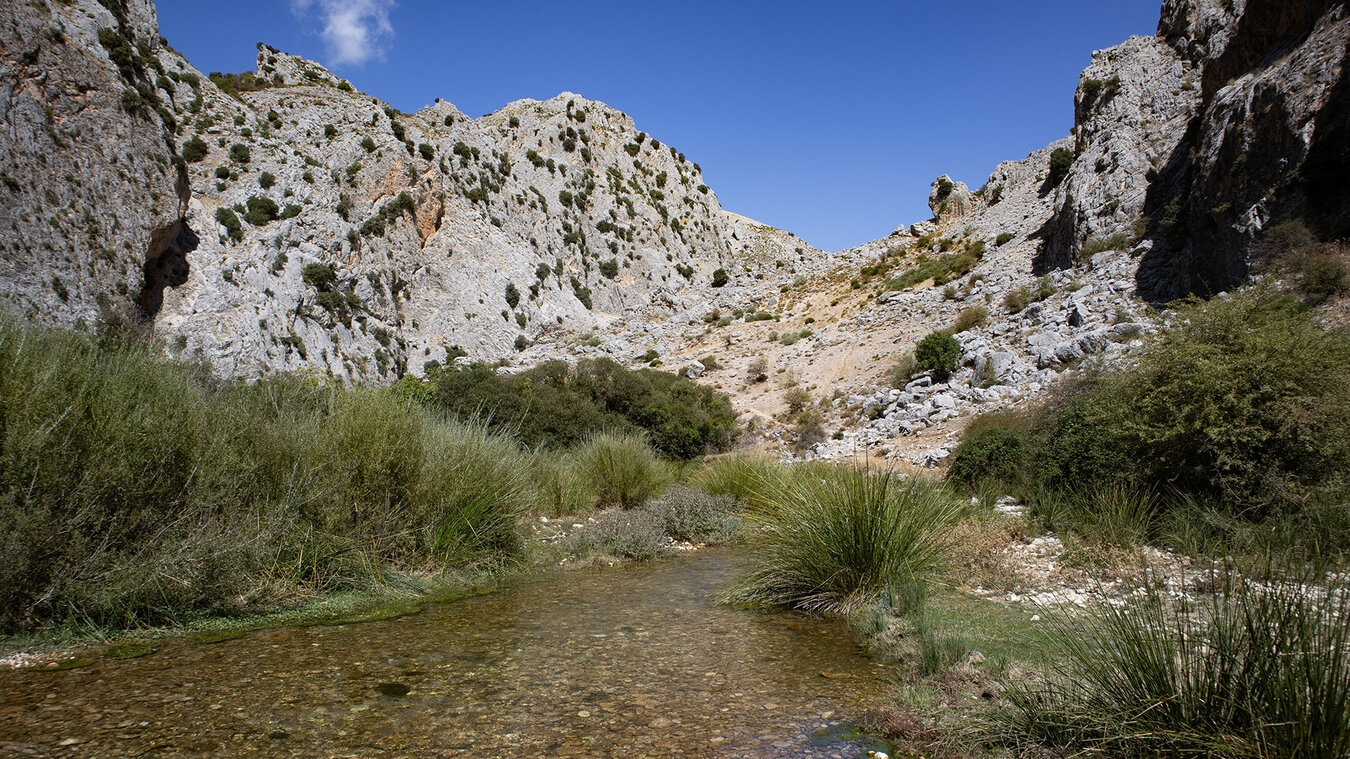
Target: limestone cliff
{"x":281,"y":220}
{"x":93,"y":195}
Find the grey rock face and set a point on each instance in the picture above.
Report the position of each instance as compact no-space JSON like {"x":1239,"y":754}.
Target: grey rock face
{"x":949,"y":200}
{"x":93,"y":197}
{"x":1132,"y":108}
{"x":1269,"y":145}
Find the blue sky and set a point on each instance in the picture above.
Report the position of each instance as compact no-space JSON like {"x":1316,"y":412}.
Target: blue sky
{"x":826,"y":119}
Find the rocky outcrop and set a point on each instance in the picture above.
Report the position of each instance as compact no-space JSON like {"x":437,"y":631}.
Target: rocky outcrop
{"x":1268,"y":144}
{"x":949,"y":200}
{"x":93,"y":194}
{"x":1131,"y":110}
{"x":1189,"y":144}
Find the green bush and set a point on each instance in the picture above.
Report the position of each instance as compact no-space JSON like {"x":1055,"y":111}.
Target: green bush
{"x":556,"y":406}
{"x":139,"y":491}
{"x":937,"y":353}
{"x":619,"y":534}
{"x":1248,"y":399}
{"x":1004,"y":238}
{"x":240,"y":153}
{"x":993,"y":448}
{"x":227,"y":218}
{"x":837,"y":539}
{"x":194,"y":150}
{"x":623,"y":470}
{"x":720,"y":278}
{"x":1061,"y":160}
{"x":1262,"y":668}
{"x":1242,"y":404}
{"x":266,"y":180}
{"x":261,"y":211}
{"x":696,"y":516}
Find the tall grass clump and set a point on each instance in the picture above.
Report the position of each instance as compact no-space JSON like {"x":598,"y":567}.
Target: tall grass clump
{"x":623,"y":470}
{"x":135,"y":490}
{"x":736,"y":474}
{"x":560,"y":489}
{"x":837,"y":539}
{"x":1260,"y":669}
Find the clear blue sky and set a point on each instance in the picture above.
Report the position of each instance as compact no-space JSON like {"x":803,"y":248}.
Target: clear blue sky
{"x":829,"y":119}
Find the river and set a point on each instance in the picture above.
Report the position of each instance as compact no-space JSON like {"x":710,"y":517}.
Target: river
{"x":632,"y":662}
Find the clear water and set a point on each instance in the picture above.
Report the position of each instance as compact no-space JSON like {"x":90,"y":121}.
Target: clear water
{"x":633,"y":663}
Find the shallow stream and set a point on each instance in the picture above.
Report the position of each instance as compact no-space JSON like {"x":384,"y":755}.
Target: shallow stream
{"x":633,"y":662}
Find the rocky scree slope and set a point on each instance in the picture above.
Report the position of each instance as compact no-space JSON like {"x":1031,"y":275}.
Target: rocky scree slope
{"x":1186,"y":146}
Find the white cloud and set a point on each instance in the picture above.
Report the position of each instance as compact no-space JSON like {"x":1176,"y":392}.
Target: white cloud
{"x":354,"y":30}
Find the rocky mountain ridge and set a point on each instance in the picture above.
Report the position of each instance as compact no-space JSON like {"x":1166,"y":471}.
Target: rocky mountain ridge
{"x":295,"y":224}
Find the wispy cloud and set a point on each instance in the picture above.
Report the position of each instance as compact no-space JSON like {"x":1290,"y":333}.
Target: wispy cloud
{"x":354,"y":30}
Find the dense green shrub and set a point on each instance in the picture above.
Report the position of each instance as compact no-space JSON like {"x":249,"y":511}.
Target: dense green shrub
{"x":1248,"y":399}
{"x":240,"y":153}
{"x":1061,"y":160}
{"x":138,"y":491}
{"x":937,"y":353}
{"x":261,"y":210}
{"x":227,"y":218}
{"x":558,"y":406}
{"x":993,"y":448}
{"x":720,"y":278}
{"x":194,"y":150}
{"x":266,"y":180}
{"x":1004,"y":238}
{"x":1242,"y":405}
{"x":833,"y":538}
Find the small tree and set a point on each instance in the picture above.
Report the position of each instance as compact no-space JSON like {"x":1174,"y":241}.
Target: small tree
{"x":1061,"y":160}
{"x":512,"y":295}
{"x":194,"y":150}
{"x":937,"y":353}
{"x":720,"y":278}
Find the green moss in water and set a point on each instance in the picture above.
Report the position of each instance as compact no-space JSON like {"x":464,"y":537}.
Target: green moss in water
{"x":382,"y":613}
{"x":129,"y":651}
{"x":393,"y":690}
{"x":849,"y":733}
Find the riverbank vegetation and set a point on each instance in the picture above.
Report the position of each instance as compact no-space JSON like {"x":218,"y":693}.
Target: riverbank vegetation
{"x":140,"y":491}
{"x":1229,"y":434}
